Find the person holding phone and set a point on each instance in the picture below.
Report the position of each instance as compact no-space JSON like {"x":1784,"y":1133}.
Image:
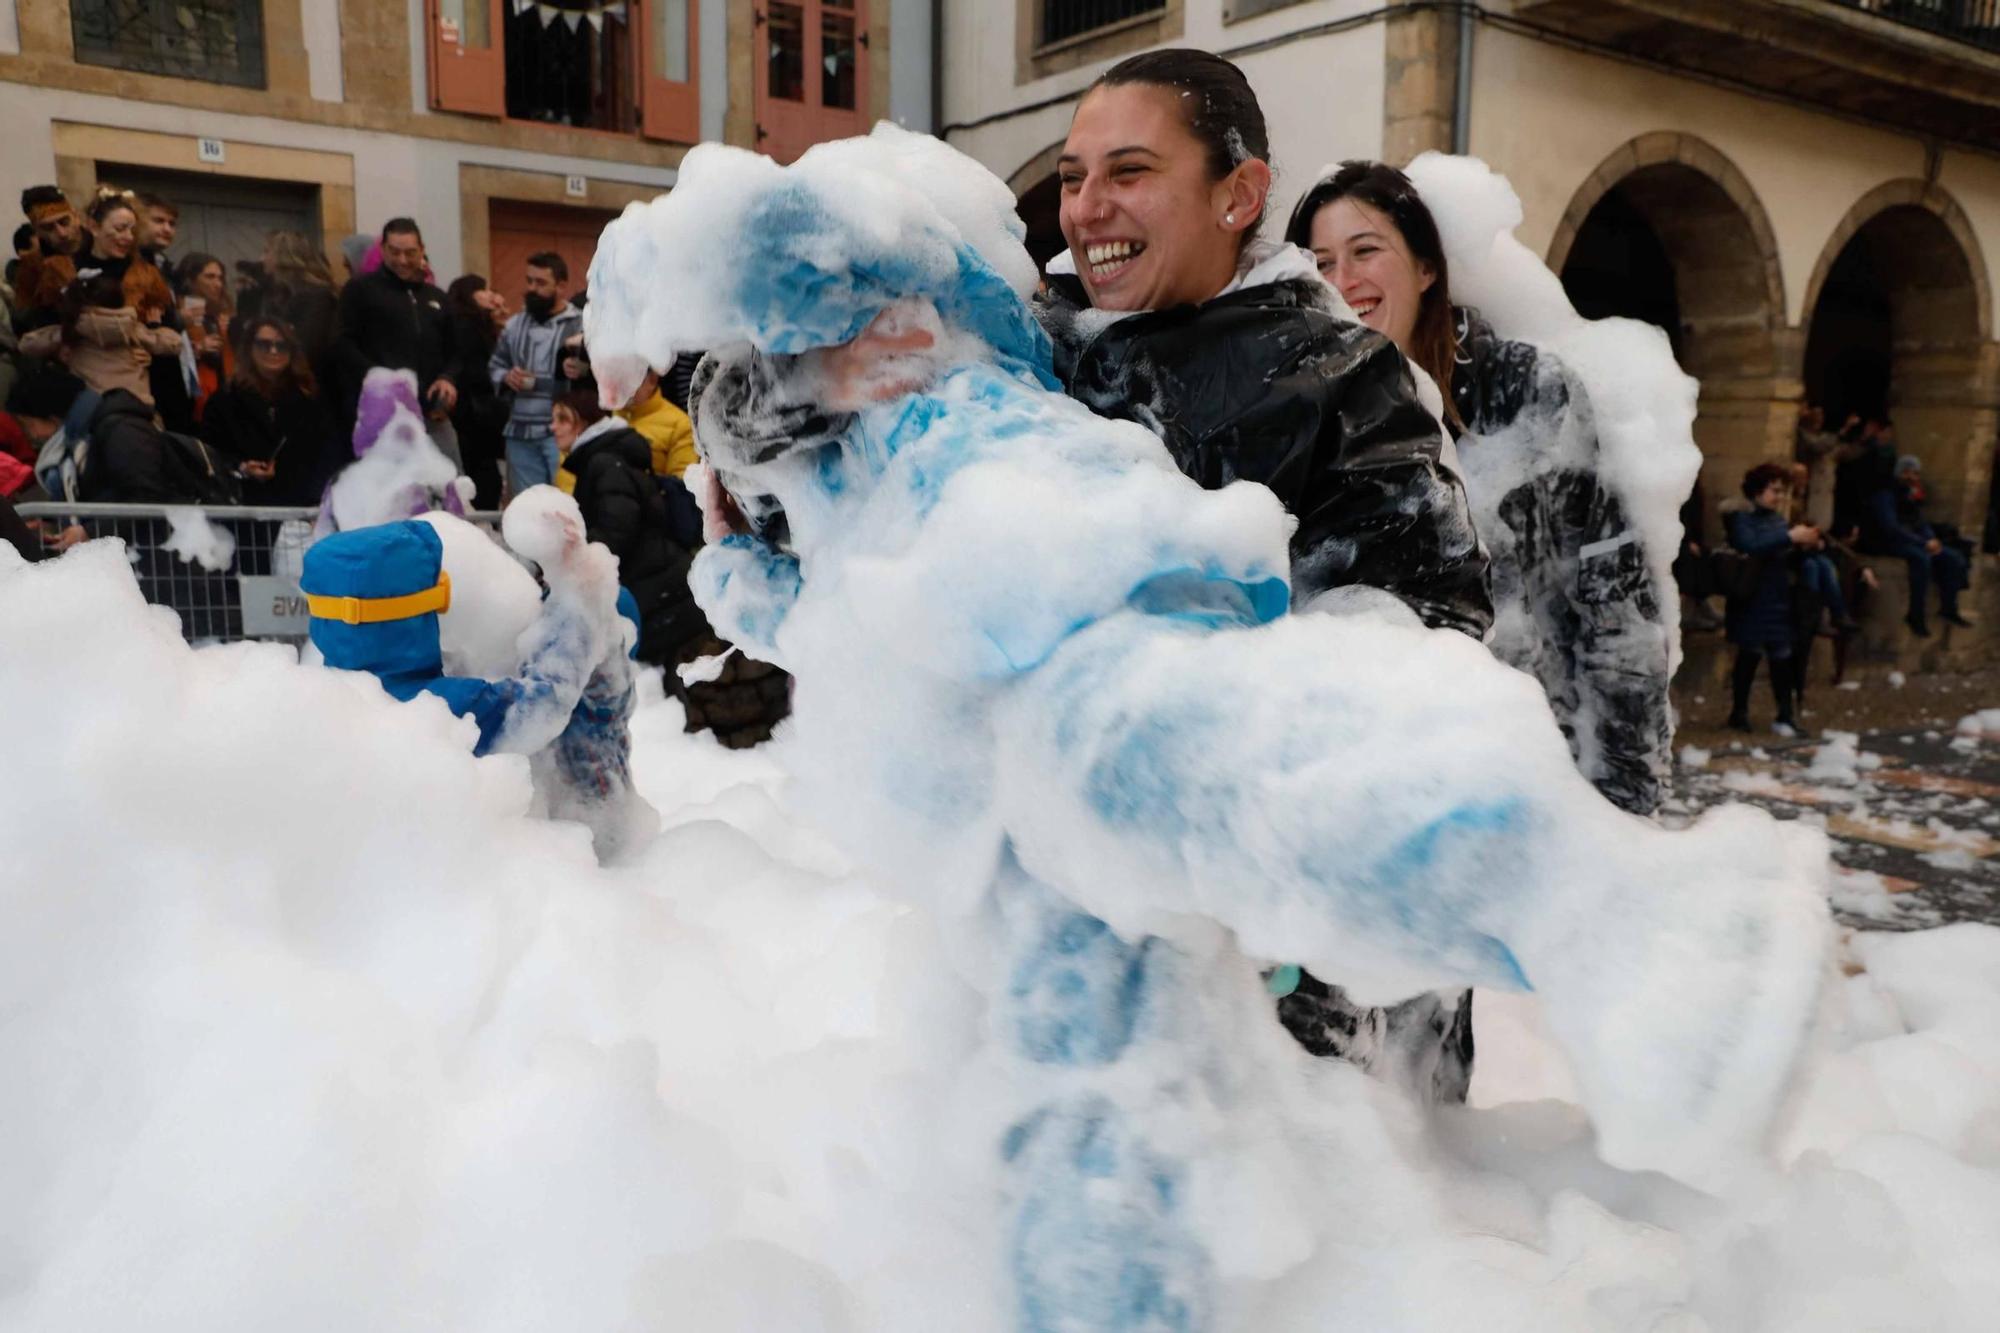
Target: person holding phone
{"x":272,"y":421}
{"x":532,"y":362}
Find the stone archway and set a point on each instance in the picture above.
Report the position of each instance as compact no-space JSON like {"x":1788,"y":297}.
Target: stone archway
{"x":1038,"y":199}
{"x":1668,"y":230}
{"x":1899,"y":316}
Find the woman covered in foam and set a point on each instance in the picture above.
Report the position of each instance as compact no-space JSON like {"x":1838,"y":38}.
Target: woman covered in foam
{"x":1039,"y":670}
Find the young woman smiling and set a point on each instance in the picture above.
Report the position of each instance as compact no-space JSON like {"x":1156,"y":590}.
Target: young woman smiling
{"x":114,"y":246}
{"x":1570,"y":573}
{"x":1166,"y":309}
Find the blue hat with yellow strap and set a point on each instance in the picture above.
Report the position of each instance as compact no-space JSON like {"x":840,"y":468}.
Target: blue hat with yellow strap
{"x":375,"y":595}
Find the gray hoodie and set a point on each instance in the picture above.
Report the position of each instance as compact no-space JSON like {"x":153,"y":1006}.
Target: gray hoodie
{"x":535,"y":346}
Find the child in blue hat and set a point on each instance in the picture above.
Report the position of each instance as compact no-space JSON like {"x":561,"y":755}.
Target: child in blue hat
{"x":377,"y":594}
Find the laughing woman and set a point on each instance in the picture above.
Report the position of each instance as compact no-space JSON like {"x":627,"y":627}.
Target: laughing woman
{"x":1167,"y":310}
{"x":1581,"y":611}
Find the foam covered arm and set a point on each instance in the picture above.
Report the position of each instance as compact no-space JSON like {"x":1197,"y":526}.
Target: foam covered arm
{"x":557,"y":666}
{"x":747,"y":587}
{"x":1322,"y":819}
{"x":1622,"y":655}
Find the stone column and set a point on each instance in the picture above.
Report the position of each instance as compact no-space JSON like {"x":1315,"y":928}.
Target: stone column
{"x":1420,"y":81}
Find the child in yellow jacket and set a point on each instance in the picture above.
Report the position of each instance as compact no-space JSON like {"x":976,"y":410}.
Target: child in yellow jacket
{"x":666,"y":428}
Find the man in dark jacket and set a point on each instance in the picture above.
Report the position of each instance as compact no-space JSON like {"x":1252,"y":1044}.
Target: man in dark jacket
{"x":395,"y":317}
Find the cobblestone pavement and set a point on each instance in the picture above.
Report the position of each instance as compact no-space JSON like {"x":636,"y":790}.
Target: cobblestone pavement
{"x":1914,"y":814}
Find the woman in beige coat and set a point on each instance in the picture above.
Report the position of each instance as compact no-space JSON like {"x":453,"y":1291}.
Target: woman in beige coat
{"x":103,"y":340}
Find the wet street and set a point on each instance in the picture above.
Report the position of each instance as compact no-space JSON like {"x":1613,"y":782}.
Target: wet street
{"x":1914,"y":813}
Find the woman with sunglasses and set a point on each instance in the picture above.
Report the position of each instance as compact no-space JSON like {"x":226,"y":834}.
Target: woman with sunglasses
{"x":272,"y":419}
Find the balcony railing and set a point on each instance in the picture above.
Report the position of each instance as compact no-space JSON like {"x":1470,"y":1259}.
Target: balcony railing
{"x":1976,"y":22}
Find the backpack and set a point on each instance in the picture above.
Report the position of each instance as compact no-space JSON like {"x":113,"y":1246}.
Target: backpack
{"x":198,"y":472}
{"x":59,"y":466}
{"x":682,"y":516}
{"x":193,"y":470}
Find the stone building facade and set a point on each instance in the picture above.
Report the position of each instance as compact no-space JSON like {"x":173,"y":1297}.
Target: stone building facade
{"x":502,"y":126}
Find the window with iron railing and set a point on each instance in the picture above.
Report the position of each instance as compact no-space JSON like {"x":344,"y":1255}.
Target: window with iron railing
{"x":1973,"y":21}
{"x":216,"y":41}
{"x":621,"y":66}
{"x":1064,"y":19}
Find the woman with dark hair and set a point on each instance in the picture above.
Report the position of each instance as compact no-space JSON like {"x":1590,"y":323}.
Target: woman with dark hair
{"x":477,"y":312}
{"x":206,"y":312}
{"x":1575,"y":601}
{"x":1571,"y":579}
{"x":1167,"y":310}
{"x":1231,"y":350}
{"x":272,"y":420}
{"x":294,"y":284}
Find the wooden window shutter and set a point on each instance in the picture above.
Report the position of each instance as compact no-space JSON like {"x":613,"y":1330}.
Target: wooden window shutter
{"x":468,"y":59}
{"x":809,"y":73}
{"x":669,"y":70}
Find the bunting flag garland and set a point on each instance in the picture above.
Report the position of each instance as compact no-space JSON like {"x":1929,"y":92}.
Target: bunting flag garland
{"x":573,"y":12}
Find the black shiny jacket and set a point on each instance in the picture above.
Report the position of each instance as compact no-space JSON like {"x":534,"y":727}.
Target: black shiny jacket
{"x":1590,"y":624}
{"x":623,"y":507}
{"x":1267,"y":384}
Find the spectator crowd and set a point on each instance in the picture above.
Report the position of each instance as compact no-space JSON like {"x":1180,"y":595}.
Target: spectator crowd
{"x":132,"y":372}
{"x":135,"y":373}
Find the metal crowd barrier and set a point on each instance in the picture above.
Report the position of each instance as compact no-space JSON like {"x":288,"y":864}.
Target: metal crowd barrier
{"x":255,"y":595}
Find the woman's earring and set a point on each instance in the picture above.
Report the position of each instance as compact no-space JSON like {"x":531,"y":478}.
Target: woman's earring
{"x":1229,"y":218}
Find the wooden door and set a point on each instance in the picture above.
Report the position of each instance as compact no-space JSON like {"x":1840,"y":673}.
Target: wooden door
{"x":468,"y":63}
{"x":516,"y":230}
{"x":668,"y":44}
{"x":811,"y":73}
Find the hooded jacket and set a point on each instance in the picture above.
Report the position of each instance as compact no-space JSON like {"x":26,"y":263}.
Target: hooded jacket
{"x":623,"y":508}
{"x":371,"y":570}
{"x":1268,"y":383}
{"x":536,"y":346}
{"x":132,"y":461}
{"x":667,"y":429}
{"x":1576,"y":604}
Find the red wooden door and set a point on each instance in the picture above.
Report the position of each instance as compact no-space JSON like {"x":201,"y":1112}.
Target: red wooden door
{"x":668,"y":45}
{"x":811,"y":63}
{"x":468,"y":64}
{"x":516,"y":230}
